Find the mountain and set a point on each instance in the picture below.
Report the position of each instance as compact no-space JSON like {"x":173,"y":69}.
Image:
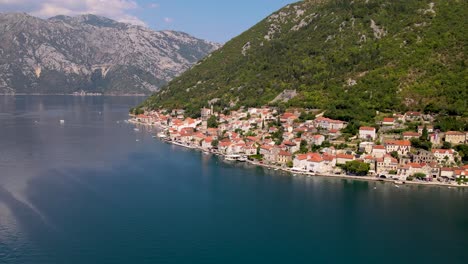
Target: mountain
{"x":91,"y":53}
{"x":350,"y":58}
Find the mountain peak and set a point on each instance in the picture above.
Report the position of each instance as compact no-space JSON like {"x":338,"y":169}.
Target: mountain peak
{"x":65,"y":54}
{"x":90,"y":19}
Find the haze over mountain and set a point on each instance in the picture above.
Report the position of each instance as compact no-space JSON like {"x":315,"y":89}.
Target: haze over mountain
{"x":350,"y":58}
{"x":67,"y":54}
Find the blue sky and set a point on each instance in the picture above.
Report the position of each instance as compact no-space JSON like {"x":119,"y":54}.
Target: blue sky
{"x":207,"y":19}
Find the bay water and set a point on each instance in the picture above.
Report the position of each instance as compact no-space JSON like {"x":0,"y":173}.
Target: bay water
{"x":95,"y":190}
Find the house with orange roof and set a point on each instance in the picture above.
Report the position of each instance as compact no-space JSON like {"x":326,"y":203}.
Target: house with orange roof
{"x":316,"y":164}
{"x":410,"y":134}
{"x":317,"y":140}
{"x":249,"y":149}
{"x":444,"y":156}
{"x":455,"y":137}
{"x":410,"y":169}
{"x":388,"y":121}
{"x":367,"y":133}
{"x":378,"y":151}
{"x":329,"y":124}
{"x":343,"y":158}
{"x":334,"y":133}
{"x":386,"y":164}
{"x":402,"y":147}
{"x":290,"y":146}
{"x":207,"y":143}
{"x":225,"y":147}
{"x":283,"y":157}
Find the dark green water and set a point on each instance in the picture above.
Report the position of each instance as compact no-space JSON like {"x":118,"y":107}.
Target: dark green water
{"x":89,"y":192}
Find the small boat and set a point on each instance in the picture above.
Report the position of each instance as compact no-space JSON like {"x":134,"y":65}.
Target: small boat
{"x":136,"y":129}
{"x":62,"y":121}
{"x":230,"y":158}
{"x":397,"y":186}
{"x":137,"y":140}
{"x":242,"y":159}
{"x":153,"y":136}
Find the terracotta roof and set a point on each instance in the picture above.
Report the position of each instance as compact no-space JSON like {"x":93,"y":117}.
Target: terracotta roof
{"x":364,"y":128}
{"x":284,"y":153}
{"x":455,"y":133}
{"x":388,"y":119}
{"x":315,"y":158}
{"x":411,"y":134}
{"x":398,"y":142}
{"x":344,"y":156}
{"x":444,"y":151}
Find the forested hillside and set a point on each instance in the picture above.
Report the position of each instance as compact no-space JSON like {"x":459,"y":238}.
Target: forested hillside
{"x":350,"y":58}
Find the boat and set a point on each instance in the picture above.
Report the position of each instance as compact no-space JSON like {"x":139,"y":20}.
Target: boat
{"x":232,"y":157}
{"x":397,"y":186}
{"x":62,"y":121}
{"x":242,"y":159}
{"x":136,"y":129}
{"x":161,"y":135}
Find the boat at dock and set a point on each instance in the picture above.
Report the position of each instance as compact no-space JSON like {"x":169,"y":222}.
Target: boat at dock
{"x":161,"y":135}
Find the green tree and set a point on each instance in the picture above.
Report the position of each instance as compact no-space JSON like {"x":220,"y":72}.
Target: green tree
{"x":463,"y":152}
{"x":446,"y":145}
{"x":356,"y":167}
{"x":303,"y":148}
{"x":419,"y":176}
{"x":215,"y":143}
{"x":212,"y":122}
{"x":425,"y":134}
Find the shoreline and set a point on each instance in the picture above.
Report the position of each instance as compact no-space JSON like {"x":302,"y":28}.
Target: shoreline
{"x":304,"y":173}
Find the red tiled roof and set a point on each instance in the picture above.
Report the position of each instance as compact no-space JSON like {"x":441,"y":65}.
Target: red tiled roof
{"x":444,"y":151}
{"x":364,"y":128}
{"x":398,"y":142}
{"x":344,"y":156}
{"x":455,"y":133}
{"x":285,"y":153}
{"x":411,"y":134}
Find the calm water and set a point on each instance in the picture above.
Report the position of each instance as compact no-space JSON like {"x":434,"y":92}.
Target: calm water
{"x":89,"y":192}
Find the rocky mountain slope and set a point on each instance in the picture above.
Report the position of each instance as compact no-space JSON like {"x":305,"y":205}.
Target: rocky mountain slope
{"x":91,"y":53}
{"x":350,"y":58}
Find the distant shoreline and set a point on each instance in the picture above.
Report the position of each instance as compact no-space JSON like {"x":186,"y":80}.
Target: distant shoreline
{"x":309,"y":174}
{"x":59,"y":94}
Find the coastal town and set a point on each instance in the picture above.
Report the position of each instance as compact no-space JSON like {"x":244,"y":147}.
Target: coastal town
{"x":402,"y":148}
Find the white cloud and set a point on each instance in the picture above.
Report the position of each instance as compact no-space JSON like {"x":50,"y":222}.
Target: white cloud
{"x":153,"y":5}
{"x":168,"y":20}
{"x":115,"y":9}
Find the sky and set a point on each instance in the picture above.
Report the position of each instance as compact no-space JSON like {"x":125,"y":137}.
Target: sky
{"x":214,"y":20}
